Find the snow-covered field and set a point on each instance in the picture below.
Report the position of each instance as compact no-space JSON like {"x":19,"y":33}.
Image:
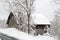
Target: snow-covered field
{"x":23,"y":36}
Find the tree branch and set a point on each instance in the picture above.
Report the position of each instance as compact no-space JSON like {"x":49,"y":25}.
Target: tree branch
{"x":26,"y":9}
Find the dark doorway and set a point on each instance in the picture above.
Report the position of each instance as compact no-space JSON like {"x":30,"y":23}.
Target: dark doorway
{"x":40,"y":29}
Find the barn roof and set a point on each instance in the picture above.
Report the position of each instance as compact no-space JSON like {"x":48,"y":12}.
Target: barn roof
{"x":39,"y":19}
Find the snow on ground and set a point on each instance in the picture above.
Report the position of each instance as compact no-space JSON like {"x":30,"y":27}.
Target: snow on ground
{"x":15,"y":33}
{"x":23,"y":36}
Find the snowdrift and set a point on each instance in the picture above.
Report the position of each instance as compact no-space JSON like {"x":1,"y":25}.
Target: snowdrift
{"x":23,"y":36}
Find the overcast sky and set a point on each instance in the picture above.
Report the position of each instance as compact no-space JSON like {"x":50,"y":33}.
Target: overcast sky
{"x":45,"y":7}
{"x":4,"y":8}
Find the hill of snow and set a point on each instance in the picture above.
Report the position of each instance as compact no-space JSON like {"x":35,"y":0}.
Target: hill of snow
{"x":23,"y":36}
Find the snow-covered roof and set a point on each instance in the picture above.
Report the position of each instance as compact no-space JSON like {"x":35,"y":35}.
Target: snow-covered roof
{"x":23,"y":36}
{"x":38,"y":18}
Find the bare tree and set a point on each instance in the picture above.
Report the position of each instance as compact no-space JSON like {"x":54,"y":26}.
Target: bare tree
{"x":27,"y":6}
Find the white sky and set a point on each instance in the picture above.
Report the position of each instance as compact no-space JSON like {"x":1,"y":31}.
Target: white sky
{"x":4,"y":8}
{"x":45,"y":7}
